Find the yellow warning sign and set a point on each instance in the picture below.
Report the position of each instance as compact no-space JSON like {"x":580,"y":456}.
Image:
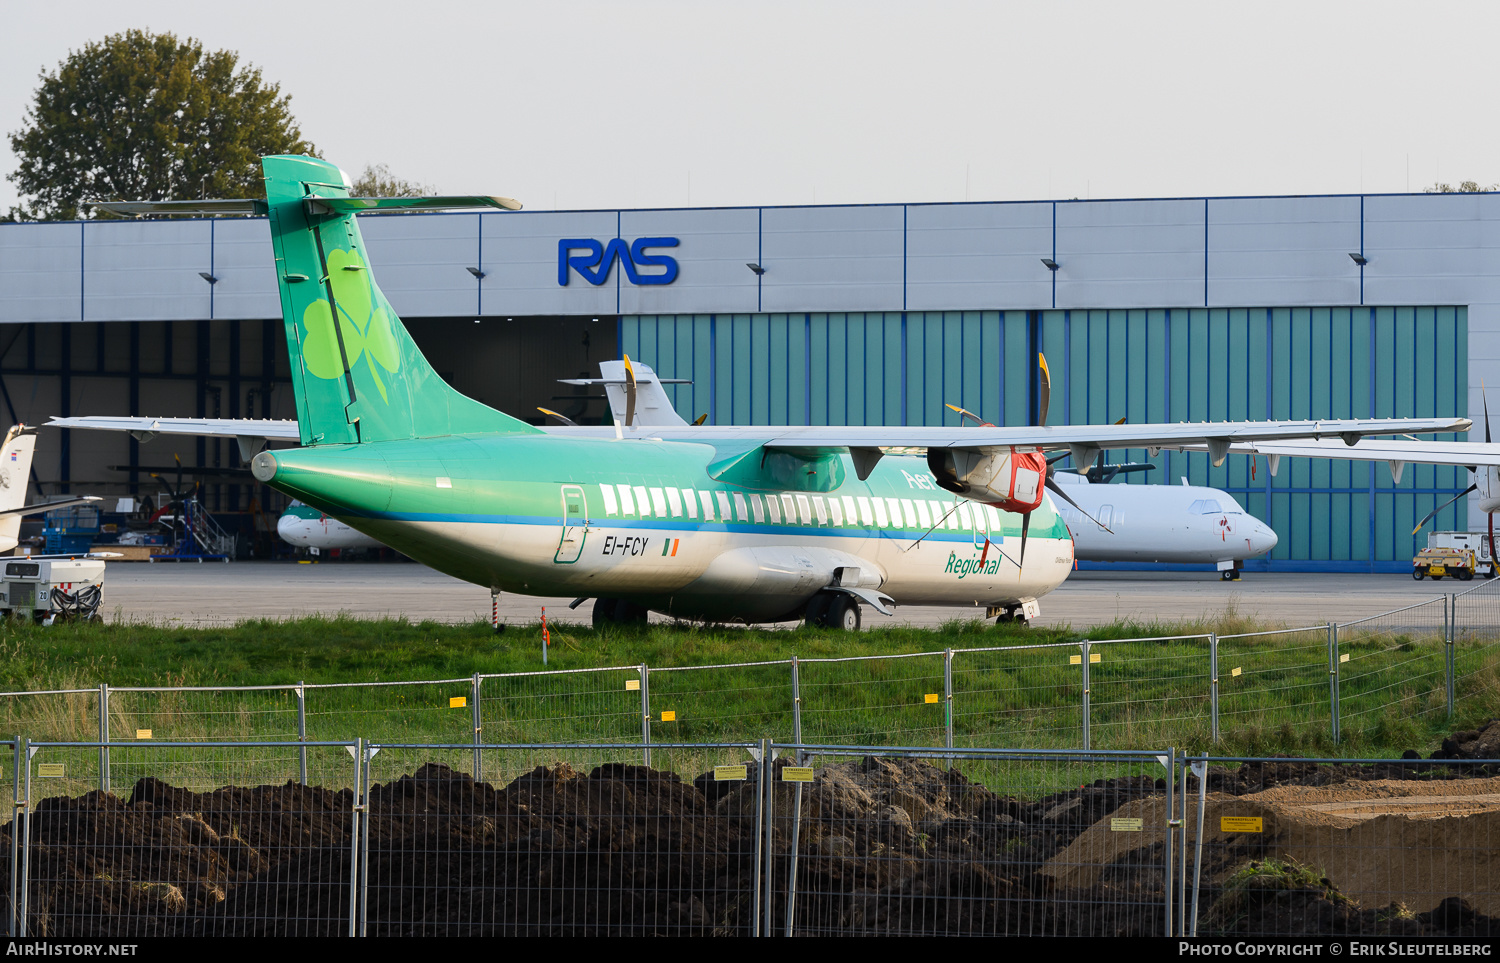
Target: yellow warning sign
{"x":729,"y":773}
{"x":1095,"y":658}
{"x":1121,"y":824}
{"x":50,"y":770}
{"x":932,"y":697}
{"x":632,"y":685}
{"x":458,"y":702}
{"x":143,"y":733}
{"x":1240,"y":824}
{"x":1075,"y":660}
{"x":1234,"y":672}
{"x":668,"y":715}
{"x":797,"y":774}
{"x":1344,"y":657}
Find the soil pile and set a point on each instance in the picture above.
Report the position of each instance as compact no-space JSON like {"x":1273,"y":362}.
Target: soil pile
{"x":883,"y":847}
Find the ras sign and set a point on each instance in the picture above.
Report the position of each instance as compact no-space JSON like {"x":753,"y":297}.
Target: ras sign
{"x":597,"y":260}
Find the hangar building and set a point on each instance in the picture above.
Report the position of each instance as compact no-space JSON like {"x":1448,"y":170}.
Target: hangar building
{"x":1152,"y":310}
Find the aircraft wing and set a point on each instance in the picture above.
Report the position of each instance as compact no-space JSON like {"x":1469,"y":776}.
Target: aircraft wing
{"x":251,"y":433}
{"x":40,"y":507}
{"x":1083,"y":441}
{"x":1468,"y":454}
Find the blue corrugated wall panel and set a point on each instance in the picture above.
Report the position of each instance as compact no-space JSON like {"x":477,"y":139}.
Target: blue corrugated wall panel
{"x":1181,"y":364}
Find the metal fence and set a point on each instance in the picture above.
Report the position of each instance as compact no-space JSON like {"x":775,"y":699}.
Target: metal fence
{"x":745,"y":838}
{"x":1354,"y":685}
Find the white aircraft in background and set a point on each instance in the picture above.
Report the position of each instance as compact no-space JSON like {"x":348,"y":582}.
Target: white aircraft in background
{"x":15,"y":472}
{"x":306,"y":527}
{"x":1162,"y":523}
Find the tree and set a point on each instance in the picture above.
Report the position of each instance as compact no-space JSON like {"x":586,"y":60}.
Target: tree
{"x":377,"y":181}
{"x":142,"y":116}
{"x":1465,"y":187}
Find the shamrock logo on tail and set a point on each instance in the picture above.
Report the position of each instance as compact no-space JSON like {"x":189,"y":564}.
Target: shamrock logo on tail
{"x":364,"y":321}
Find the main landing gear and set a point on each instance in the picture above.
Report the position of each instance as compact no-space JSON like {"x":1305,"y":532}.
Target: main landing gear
{"x":1013,"y":615}
{"x":615,"y":612}
{"x":833,"y":610}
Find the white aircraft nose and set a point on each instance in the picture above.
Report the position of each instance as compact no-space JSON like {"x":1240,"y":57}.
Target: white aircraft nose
{"x":290,"y":528}
{"x":1262,"y":539}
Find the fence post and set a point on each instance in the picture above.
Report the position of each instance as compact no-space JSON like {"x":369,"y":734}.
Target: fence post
{"x":1450,"y":620}
{"x":17,"y":816}
{"x":1085,"y":661}
{"x":26,"y":839}
{"x":796,"y":701}
{"x":104,"y":737}
{"x":948,"y":702}
{"x":478,"y":729}
{"x":1202,"y":770}
{"x":791,"y":878}
{"x":645,"y":671}
{"x":1333,"y":680}
{"x":356,"y":867}
{"x":302,"y":730}
{"x":1213,"y":684}
{"x":768,"y":790}
{"x":1170,"y":827}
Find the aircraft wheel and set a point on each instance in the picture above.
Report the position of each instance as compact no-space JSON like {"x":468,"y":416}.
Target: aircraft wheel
{"x":843,"y":613}
{"x":1225,"y":575}
{"x":628,"y":613}
{"x":604,"y":612}
{"x":1417,"y":574}
{"x":817,"y":609}
{"x":1014,"y":615}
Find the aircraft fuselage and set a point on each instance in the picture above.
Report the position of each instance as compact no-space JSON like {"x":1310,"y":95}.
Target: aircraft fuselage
{"x":646,"y":521}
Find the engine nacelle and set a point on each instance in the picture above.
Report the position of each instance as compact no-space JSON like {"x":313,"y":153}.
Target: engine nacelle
{"x":1012,"y":479}
{"x":1488,"y":480}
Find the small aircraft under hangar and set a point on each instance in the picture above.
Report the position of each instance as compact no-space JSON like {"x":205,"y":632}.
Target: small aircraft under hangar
{"x":749,"y":524}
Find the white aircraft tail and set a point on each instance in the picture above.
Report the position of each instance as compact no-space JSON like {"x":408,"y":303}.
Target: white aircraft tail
{"x":652,"y":406}
{"x":15,"y":472}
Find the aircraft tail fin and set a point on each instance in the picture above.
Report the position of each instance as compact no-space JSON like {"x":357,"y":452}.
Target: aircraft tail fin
{"x":358,"y":378}
{"x":652,"y":406}
{"x":15,"y":472}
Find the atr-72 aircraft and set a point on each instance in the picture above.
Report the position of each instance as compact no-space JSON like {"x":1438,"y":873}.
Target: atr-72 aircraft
{"x":750,"y":524}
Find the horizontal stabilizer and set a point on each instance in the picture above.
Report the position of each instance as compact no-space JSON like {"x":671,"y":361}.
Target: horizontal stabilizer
{"x":203,"y":208}
{"x":360,"y":205}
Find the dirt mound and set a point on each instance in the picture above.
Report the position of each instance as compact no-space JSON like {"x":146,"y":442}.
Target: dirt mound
{"x":884,"y":846}
{"x":1472,"y":744}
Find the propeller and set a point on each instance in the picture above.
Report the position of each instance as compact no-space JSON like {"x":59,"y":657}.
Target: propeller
{"x":561,"y":419}
{"x":629,"y":393}
{"x":1044,"y":398}
{"x":1472,"y":488}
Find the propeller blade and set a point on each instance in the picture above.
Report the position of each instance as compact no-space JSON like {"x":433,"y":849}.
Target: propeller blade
{"x":1025,"y":526}
{"x":1444,"y":505}
{"x":1492,"y":540}
{"x":966,"y":413}
{"x":629,"y":393}
{"x":1044,"y":392}
{"x":561,"y":419}
{"x":700,"y":419}
{"x":1056,"y":489}
{"x":1486,"y":411}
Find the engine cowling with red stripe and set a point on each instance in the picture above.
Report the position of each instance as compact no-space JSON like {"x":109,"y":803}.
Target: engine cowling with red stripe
{"x":1011,"y":479}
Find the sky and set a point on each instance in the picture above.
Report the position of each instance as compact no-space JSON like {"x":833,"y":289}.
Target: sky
{"x":585,"y":105}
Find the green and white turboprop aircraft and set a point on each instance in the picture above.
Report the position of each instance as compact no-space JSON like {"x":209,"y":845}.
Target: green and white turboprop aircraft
{"x":744,"y":524}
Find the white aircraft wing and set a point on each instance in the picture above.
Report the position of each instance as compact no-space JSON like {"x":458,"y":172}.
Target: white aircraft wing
{"x":1082,"y":440}
{"x":41,"y":507}
{"x":1469,"y":454}
{"x":251,"y":433}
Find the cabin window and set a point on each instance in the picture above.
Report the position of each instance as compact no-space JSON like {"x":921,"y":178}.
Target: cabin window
{"x":773,"y":507}
{"x":835,"y":511}
{"x":741,"y":513}
{"x":895,"y":504}
{"x":708,"y":506}
{"x":788,"y":509}
{"x":643,"y":500}
{"x":924,"y":517}
{"x":757,"y":509}
{"x":627,"y":503}
{"x":658,"y":503}
{"x":611,"y":507}
{"x":910,"y":512}
{"x":724,"y":514}
{"x":850,"y":512}
{"x":674,"y":501}
{"x":821,"y":509}
{"x":965,"y":520}
{"x":880,"y":517}
{"x":804,"y":510}
{"x":866,"y":516}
